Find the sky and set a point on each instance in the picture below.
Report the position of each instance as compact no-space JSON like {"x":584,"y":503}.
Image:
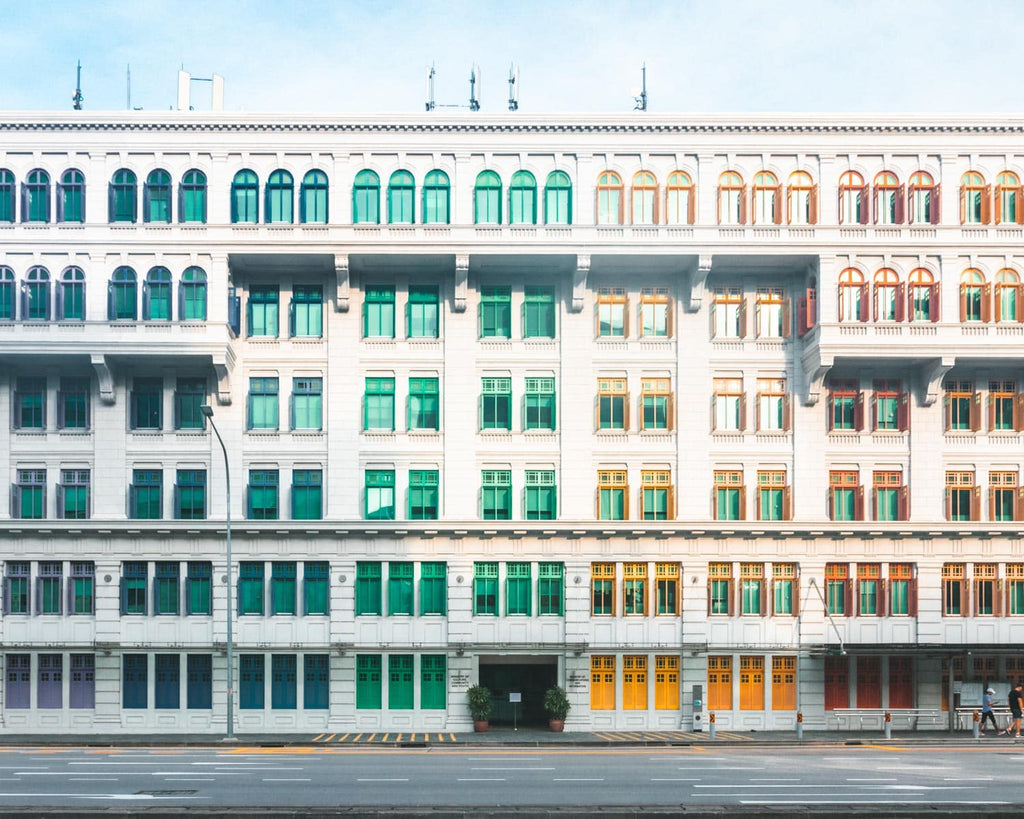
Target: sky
{"x":574,"y":56}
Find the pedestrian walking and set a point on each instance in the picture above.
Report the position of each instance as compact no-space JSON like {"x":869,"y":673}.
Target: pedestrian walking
{"x":986,"y":712}
{"x":1014,"y":701}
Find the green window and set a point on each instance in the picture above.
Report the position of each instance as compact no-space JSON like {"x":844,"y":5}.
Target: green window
{"x":400,"y":588}
{"x":611,"y":495}
{"x":262,"y":311}
{"x":279,"y":194}
{"x":368,"y":588}
{"x":433,"y":683}
{"x":751,"y":596}
{"x":7,"y":195}
{"x":522,"y":199}
{"x":517,"y":588}
{"x":166,"y":585}
{"x":122,"y":298}
{"x":485,"y":588}
{"x":35,"y":197}
{"x":433,"y":588}
{"x":436,"y":199}
{"x":539,"y":312}
{"x":199,"y":588}
{"x":487,"y":199}
{"x":192,"y":197}
{"x":844,"y":503}
{"x":380,"y":494}
{"x":73,"y":494}
{"x":541,"y":494}
{"x":30,"y":403}
{"x":307,"y":403}
{"x":35,"y":295}
{"x":70,"y":295}
{"x":262,"y":495}
{"x":192,"y":295}
{"x":307,"y":494}
{"x":495,"y":312}
{"x":400,"y":682}
{"x":550,"y":588}
{"x":122,"y":199}
{"x":189,"y":396}
{"x":899,"y":597}
{"x":245,"y":197}
{"x":282,"y":588}
{"x":887,"y":503}
{"x":783,"y":590}
{"x":423,"y":312}
{"x":263,"y":403}
{"x":379,"y":312}
{"x":146,"y":496}
{"x":539,"y":409}
{"x":83,"y":582}
{"x":496,"y":403}
{"x":719,"y":596}
{"x":423,"y":494}
{"x":73,"y":404}
{"x":313,"y":198}
{"x":16,"y":585}
{"x":368,"y":684}
{"x":496,"y":494}
{"x":6,"y":293}
{"x":727,"y":505}
{"x":867,"y":595}
{"x":379,"y":404}
{"x":558,"y":199}
{"x":156,"y":197}
{"x":401,"y":195}
{"x":49,"y":587}
{"x":250,"y":588}
{"x":306,"y":313}
{"x":70,"y":197}
{"x":366,"y":199}
{"x":316,"y":578}
{"x":424,"y":403}
{"x":156,"y":295}
{"x":1016,"y":596}
{"x":190,"y":495}
{"x":133,"y":587}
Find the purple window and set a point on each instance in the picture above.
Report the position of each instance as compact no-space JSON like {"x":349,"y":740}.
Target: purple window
{"x":82,"y":692}
{"x":51,"y":681}
{"x":19,"y":681}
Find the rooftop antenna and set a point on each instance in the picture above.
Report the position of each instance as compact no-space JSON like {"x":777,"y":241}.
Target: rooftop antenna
{"x":641,"y":98}
{"x":431,"y":105}
{"x":513,"y":88}
{"x":474,"y":99}
{"x":78,"y":98}
{"x":474,"y":78}
{"x":128,"y":81}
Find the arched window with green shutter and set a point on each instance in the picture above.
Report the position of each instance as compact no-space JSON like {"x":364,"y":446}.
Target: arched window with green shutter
{"x":6,"y":195}
{"x":122,"y":196}
{"x":192,"y":197}
{"x":192,"y":295}
{"x":558,"y":199}
{"x":156,"y":295}
{"x":70,"y":197}
{"x":522,"y":199}
{"x":6,"y":294}
{"x":487,"y":199}
{"x":123,"y":303}
{"x":245,"y":198}
{"x":156,"y":197}
{"x":401,"y":195}
{"x":35,"y":295}
{"x":71,"y":295}
{"x":35,"y":198}
{"x":436,"y":199}
{"x":366,"y":199}
{"x":313,"y":198}
{"x":280,"y":191}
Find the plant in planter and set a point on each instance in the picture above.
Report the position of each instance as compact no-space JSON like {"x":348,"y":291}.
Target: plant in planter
{"x":556,"y":703}
{"x":479,"y":699}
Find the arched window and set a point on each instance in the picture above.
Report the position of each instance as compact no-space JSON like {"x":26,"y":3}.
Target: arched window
{"x":156,"y":295}
{"x":123,"y":302}
{"x":35,"y":197}
{"x":732,"y":199}
{"x":71,"y":295}
{"x":644,"y":199}
{"x":313,"y":198}
{"x":156,"y":197}
{"x":6,"y":195}
{"x":35,"y":295}
{"x":192,"y":197}
{"x":609,"y":199}
{"x":487,"y":199}
{"x":1008,"y":302}
{"x":680,"y":202}
{"x":122,"y":199}
{"x":924,"y":199}
{"x":888,"y":199}
{"x":975,"y":296}
{"x":889,"y":298}
{"x":974,"y":199}
{"x":558,"y":199}
{"x":922,"y":296}
{"x":767,"y":193}
{"x":280,"y":198}
{"x":853,"y":296}
{"x":853,"y":199}
{"x":71,"y":196}
{"x":366,"y":199}
{"x":801,"y":199}
{"x":245,"y":197}
{"x":192,"y":295}
{"x":436,"y":198}
{"x":522,"y":199}
{"x":6,"y":294}
{"x":1009,"y":207}
{"x":401,"y":196}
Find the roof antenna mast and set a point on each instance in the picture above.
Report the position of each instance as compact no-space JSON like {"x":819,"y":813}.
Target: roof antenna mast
{"x":78,"y":99}
{"x":431,"y":105}
{"x":474,"y":78}
{"x":513,"y":88}
{"x":641,"y":98}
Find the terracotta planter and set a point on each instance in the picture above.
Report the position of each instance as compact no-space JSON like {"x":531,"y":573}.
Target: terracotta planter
{"x":481,"y":726}
{"x":556,"y":725}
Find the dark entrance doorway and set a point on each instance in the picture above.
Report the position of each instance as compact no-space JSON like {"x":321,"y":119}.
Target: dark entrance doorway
{"x":529,"y":676}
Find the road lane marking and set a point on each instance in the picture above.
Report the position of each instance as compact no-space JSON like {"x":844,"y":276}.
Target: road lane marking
{"x":481,"y":779}
{"x":316,"y":738}
{"x":342,"y":738}
{"x":716,"y":768}
{"x":513,"y":769}
{"x":874,"y":779}
{"x":382,"y":780}
{"x":269,"y":779}
{"x":92,"y":779}
{"x":772,"y":779}
{"x":137,"y":796}
{"x":191,"y":779}
{"x":578,"y":779}
{"x":672,"y":779}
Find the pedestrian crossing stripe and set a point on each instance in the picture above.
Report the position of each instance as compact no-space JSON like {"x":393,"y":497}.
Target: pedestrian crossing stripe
{"x":377,"y":737}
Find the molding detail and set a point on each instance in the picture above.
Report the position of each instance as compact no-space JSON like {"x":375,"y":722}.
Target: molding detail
{"x":579,"y":283}
{"x":341,"y":274}
{"x":105,"y":378}
{"x":222,"y":368}
{"x":698,"y":281}
{"x":932,"y":375}
{"x":461,"y":283}
{"x":814,"y":377}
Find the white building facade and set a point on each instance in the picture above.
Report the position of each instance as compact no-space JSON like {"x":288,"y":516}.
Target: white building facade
{"x":661,"y":410}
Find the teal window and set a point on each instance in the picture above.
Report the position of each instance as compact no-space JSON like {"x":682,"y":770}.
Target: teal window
{"x":423,"y":403}
{"x":192,"y":197}
{"x":245,"y":198}
{"x":551,"y":589}
{"x":35,"y":197}
{"x":496,"y":495}
{"x":368,"y":681}
{"x":423,"y":311}
{"x":147,"y":400}
{"x":306,"y":312}
{"x":16,"y":585}
{"x":899,"y":597}
{"x":122,"y":199}
{"x":145,"y":499}
{"x":156,"y":295}
{"x":541,"y":494}
{"x":73,"y":404}
{"x":496,"y":403}
{"x":7,"y":195}
{"x":558,"y":199}
{"x":283,"y":685}
{"x":307,"y":494}
{"x":70,"y":295}
{"x":380,"y":494}
{"x":611,"y":495}
{"x":750,"y":594}
{"x":251,"y":682}
{"x":379,"y":404}
{"x":522,"y":199}
{"x":49,"y":584}
{"x":720,"y":596}
{"x":436,"y":199}
{"x":379,"y":312}
{"x":487,"y":199}
{"x":518,"y":591}
{"x":199,"y":588}
{"x":133,"y":587}
{"x":123,"y":303}
{"x":283,"y":588}
{"x":35,"y":294}
{"x":539,"y":409}
{"x":30,"y":403}
{"x":867,"y":597}
{"x":400,"y":682}
{"x":495,"y":312}
{"x":6,"y":294}
{"x":366,"y":199}
{"x":263,"y":310}
{"x":539,"y":312}
{"x":316,"y":681}
{"x":250,"y":587}
{"x":263,"y":403}
{"x":307,"y":403}
{"x":433,"y":681}
{"x":313,"y":198}
{"x":190,"y":495}
{"x":609,"y":199}
{"x":166,"y":588}
{"x":189,"y":397}
{"x":400,"y":588}
{"x":783,"y":592}
{"x":262,"y":495}
{"x":611,"y":312}
{"x":73,"y":494}
{"x":655,"y":495}
{"x":192,"y":295}
{"x":433,"y":588}
{"x":423,"y":494}
{"x":1016,"y":596}
{"x":401,"y":195}
{"x":485,"y":588}
{"x":156,"y":197}
{"x":280,"y":198}
{"x":887,"y":503}
{"x":83,"y":587}
{"x":316,"y":579}
{"x":30,"y":494}
{"x":368,"y":588}
{"x":70,"y":197}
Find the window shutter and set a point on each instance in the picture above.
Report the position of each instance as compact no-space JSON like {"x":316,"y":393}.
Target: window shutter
{"x":903,"y":412}
{"x":997,"y":201}
{"x":990,"y":413}
{"x":796,"y":596}
{"x":865,"y":302}
{"x":625,"y":503}
{"x":670,"y":412}
{"x":786,"y":413}
{"x":625,"y":412}
{"x":848,"y":596}
{"x":901,"y":297}
{"x":976,"y":503}
{"x":787,"y":504}
{"x":787,"y":317}
{"x":874,"y":304}
{"x":933,"y":302}
{"x":742,"y":420}
{"x":903,"y":504}
{"x":709,"y":595}
{"x":670,"y":313}
{"x":874,"y":412}
{"x":622,"y":205}
{"x":831,"y":415}
{"x":991,"y":503}
{"x":986,"y":206}
{"x":912,"y":597}
{"x":743,"y":205}
{"x":864,"y":217}
{"x":1018,"y":503}
{"x":831,"y":504}
{"x":714,"y":503}
{"x":963,"y":302}
{"x":743,"y":317}
{"x":1018,"y":193}
{"x":948,"y":503}
{"x":936,"y":204}
{"x":719,"y":204}
{"x":883,"y":597}
{"x":997,"y":598}
{"x":657,"y":205}
{"x":743,"y":504}
{"x":963,"y":205}
{"x":1019,"y":312}
{"x":900,"y":210}
{"x":858,"y":412}
{"x":757,"y":412}
{"x":691,"y":206}
{"x":625,"y":320}
{"x":764,"y":595}
{"x":986,"y":302}
{"x":975,"y":411}
{"x":812,"y":206}
{"x":777,"y":215}
{"x":947,"y":413}
{"x":858,"y":507}
{"x":874,"y":503}
{"x":1018,"y":412}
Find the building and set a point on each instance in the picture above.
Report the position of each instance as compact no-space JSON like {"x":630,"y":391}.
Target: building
{"x":661,"y":409}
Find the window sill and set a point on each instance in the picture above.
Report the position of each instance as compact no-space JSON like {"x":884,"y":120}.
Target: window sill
{"x":263,"y":433}
{"x":613,"y":433}
{"x":657,"y":433}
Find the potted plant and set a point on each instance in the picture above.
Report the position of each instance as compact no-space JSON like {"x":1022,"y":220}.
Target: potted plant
{"x":556,"y":703}
{"x":479,"y":699}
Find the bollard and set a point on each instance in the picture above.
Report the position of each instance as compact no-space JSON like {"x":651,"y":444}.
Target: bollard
{"x":977,"y":720}
{"x":711,"y":726}
{"x":888,"y":725}
{"x":799,"y":724}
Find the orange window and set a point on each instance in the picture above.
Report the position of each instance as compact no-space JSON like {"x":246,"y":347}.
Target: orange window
{"x":975,"y":199}
{"x":602,"y":682}
{"x":645,"y":199}
{"x":1007,"y":199}
{"x":680,"y":201}
{"x":767,"y":196}
{"x":783,"y":683}
{"x":1007,"y":303}
{"x":634,"y":682}
{"x":666,"y":682}
{"x":853,"y":295}
{"x":719,"y":683}
{"x":853,"y":199}
{"x":801,"y":199}
{"x":888,"y":199}
{"x":751,"y":683}
{"x":610,"y":199}
{"x":732,"y":199}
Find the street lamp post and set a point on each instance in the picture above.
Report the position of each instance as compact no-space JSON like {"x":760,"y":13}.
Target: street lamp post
{"x":207,"y":411}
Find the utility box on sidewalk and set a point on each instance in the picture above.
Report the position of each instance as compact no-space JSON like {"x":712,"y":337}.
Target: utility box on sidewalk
{"x":698,"y":708}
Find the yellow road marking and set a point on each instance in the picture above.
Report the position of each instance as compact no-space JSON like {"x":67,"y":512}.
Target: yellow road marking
{"x":343,"y":737}
{"x":356,"y":737}
{"x":413,"y":738}
{"x":385,"y":738}
{"x":452,"y":737}
{"x":398,"y":738}
{"x":371,"y":737}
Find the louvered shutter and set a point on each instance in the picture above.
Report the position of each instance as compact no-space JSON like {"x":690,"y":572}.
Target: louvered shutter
{"x":936,"y":204}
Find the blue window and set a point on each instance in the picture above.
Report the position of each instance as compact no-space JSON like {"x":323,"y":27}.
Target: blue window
{"x":316,"y":685}
{"x":167,"y":691}
{"x":123,"y":301}
{"x":70,"y":295}
{"x":135,"y":681}
{"x":251,"y":686}
{"x":245,"y":197}
{"x":35,"y":197}
{"x":200,"y":681}
{"x":282,"y":682}
{"x":18,"y":688}
{"x":280,"y":197}
{"x":70,"y":196}
{"x":122,"y":199}
{"x":313,"y":198}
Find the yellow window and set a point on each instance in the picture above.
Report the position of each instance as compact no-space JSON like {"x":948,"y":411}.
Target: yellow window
{"x":719,"y":683}
{"x":602,"y":682}
{"x":751,"y":683}
{"x":783,"y":683}
{"x":666,"y":682}
{"x":634,"y":682}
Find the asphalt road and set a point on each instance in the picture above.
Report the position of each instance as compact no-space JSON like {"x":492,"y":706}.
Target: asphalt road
{"x":958,"y":778}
